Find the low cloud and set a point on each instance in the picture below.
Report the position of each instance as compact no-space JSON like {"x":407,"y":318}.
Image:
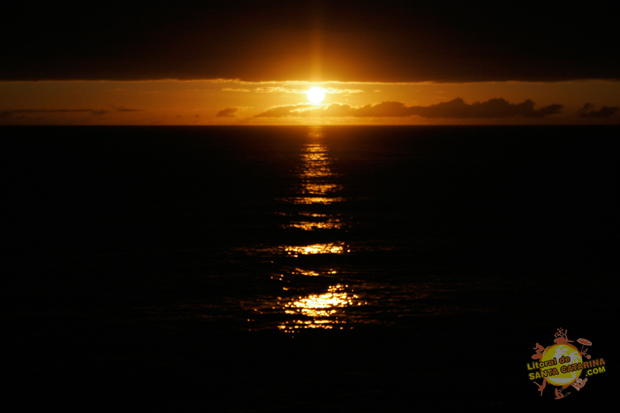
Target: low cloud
{"x":454,"y":109}
{"x":281,"y":89}
{"x":226,"y":113}
{"x":588,"y":112}
{"x":124,"y":109}
{"x":332,"y":90}
{"x":230,"y":89}
{"x":277,"y":89}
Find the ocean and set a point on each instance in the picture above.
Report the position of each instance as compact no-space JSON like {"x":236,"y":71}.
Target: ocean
{"x":323,"y":268}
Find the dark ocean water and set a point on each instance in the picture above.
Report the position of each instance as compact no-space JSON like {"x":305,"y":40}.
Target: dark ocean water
{"x":305,"y":268}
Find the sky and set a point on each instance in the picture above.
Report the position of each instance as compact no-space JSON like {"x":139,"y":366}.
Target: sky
{"x":252,"y":62}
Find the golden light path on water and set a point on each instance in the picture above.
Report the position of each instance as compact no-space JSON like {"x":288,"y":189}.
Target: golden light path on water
{"x":316,"y":170}
{"x":321,"y":309}
{"x":314,"y":200}
{"x":316,"y":221}
{"x":330,"y":248}
{"x":321,"y":188}
{"x":307,"y":273}
{"x":311,"y":226}
{"x":318,"y":182}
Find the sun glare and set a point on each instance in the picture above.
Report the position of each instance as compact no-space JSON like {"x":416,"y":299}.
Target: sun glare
{"x":316,"y":95}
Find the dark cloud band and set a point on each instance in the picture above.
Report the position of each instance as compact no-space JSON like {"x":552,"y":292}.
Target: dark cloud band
{"x":390,"y":41}
{"x":456,"y":109}
{"x":605,"y":112}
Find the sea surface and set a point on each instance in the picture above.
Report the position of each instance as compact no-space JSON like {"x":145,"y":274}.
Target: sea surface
{"x":323,"y":268}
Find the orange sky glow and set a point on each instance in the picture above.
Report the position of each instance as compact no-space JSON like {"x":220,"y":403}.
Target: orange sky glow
{"x":234,"y":102}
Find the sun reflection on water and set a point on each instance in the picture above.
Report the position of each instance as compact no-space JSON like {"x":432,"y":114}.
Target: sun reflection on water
{"x":322,"y":309}
{"x":318,"y":186}
{"x":313,"y":200}
{"x":316,"y":132}
{"x":321,"y":189}
{"x":307,"y":273}
{"x":316,"y":176}
{"x":311,"y":226}
{"x":329,"y":248}
{"x":315,"y":161}
{"x":313,"y":215}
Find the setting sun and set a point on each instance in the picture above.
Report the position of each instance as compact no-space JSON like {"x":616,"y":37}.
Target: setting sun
{"x":316,"y":95}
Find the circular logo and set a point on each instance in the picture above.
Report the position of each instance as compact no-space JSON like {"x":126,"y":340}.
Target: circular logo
{"x":558,"y":360}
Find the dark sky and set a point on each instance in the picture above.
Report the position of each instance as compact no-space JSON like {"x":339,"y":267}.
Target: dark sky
{"x":309,"y":40}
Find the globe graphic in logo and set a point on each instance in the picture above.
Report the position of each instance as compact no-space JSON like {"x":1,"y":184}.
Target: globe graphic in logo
{"x":570,"y":355}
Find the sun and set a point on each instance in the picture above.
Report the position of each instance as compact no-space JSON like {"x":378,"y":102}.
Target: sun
{"x":316,"y":95}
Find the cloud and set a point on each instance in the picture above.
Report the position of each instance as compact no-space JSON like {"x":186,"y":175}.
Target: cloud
{"x":230,"y":89}
{"x":123,"y":109}
{"x":492,"y":108}
{"x":226,"y":113}
{"x":604,"y":112}
{"x":281,"y":89}
{"x":281,"y":111}
{"x":9,"y":113}
{"x":455,"y":109}
{"x":277,"y":89}
{"x":332,"y":90}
